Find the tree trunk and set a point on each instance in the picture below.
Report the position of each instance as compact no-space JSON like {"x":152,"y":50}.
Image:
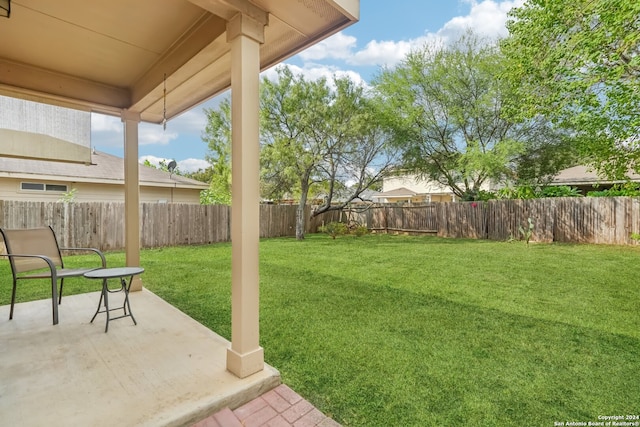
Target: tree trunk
{"x":300,"y":217}
{"x":300,"y":222}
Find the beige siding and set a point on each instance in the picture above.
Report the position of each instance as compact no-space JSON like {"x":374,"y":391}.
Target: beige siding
{"x":94,"y":192}
{"x":168,"y":195}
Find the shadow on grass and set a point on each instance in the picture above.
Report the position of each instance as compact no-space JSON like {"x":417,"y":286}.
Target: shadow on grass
{"x":377,"y":355}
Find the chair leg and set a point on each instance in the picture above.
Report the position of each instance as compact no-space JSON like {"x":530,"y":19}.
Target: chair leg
{"x":13,"y":299}
{"x":60,"y":295}
{"x":54,"y":298}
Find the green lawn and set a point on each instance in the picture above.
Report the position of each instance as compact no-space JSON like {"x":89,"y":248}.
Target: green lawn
{"x":420,"y":331}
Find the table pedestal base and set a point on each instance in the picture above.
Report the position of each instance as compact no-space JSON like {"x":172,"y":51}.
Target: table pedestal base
{"x":114,"y":273}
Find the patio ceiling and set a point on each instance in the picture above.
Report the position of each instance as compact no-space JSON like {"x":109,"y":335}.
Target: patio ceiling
{"x":107,"y":56}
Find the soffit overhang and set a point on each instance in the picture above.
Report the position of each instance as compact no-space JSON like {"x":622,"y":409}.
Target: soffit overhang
{"x":110,"y":56}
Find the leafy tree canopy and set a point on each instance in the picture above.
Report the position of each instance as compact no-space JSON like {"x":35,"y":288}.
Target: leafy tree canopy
{"x":578,"y":63}
{"x":446,"y":105}
{"x":320,"y":140}
{"x":217,"y":135}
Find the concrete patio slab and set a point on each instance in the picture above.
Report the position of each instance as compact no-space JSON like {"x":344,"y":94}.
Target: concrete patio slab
{"x":169,"y":370}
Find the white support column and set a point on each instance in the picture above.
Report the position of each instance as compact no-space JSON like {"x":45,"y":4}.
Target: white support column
{"x":245,"y":357}
{"x":131,"y":193}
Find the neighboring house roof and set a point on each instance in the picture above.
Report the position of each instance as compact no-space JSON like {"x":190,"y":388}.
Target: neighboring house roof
{"x":367,"y":195}
{"x":584,"y":175}
{"x":105,"y":169}
{"x":397,"y":192}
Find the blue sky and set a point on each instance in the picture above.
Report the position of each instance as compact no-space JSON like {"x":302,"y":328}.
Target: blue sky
{"x":382,"y":37}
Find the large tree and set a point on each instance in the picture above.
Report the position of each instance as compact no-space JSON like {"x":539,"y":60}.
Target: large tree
{"x":320,"y":140}
{"x":447,"y":103}
{"x":217,"y":135}
{"x":578,"y":62}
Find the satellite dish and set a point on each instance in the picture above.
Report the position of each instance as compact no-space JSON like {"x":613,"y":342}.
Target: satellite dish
{"x":171,"y":166}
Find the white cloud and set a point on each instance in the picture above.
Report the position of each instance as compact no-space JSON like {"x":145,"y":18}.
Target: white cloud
{"x":104,"y":123}
{"x":106,"y":131}
{"x":149,"y":133}
{"x":338,"y":46}
{"x":155,"y":161}
{"x":312,"y":71}
{"x":388,"y":53}
{"x":486,"y":17}
{"x":192,"y":165}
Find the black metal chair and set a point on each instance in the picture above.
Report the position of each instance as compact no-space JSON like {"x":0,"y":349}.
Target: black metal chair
{"x":34,"y":253}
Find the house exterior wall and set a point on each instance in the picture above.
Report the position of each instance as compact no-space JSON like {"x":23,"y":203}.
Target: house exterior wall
{"x":412,"y":200}
{"x":420,"y":198}
{"x":429,"y":191}
{"x":168,"y":195}
{"x":413,"y":183}
{"x":10,"y":189}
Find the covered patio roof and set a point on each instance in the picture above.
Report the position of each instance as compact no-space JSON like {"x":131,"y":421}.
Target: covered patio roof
{"x":108,"y":56}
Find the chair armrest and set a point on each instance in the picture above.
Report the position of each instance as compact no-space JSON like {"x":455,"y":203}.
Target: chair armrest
{"x":97,"y":251}
{"x":48,"y":260}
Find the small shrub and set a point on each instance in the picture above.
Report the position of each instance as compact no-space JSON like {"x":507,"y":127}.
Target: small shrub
{"x":528,"y":232}
{"x":69,"y":196}
{"x":478,"y":195}
{"x":560,"y":191}
{"x":334,"y":229}
{"x":360,"y":230}
{"x":629,"y":189}
{"x":519,"y":192}
{"x":529,"y":192}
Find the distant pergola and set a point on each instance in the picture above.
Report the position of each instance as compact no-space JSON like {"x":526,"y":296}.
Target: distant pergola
{"x":151,"y":60}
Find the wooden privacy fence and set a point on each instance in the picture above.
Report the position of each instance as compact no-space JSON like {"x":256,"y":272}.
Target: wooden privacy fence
{"x":599,"y":220}
{"x":101,"y":224}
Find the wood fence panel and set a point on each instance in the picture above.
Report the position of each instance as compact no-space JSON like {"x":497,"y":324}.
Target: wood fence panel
{"x":377,"y":220}
{"x":602,"y":220}
{"x":621,"y":228}
{"x":150,"y":218}
{"x":17,"y":214}
{"x":409,"y":219}
{"x":219,"y":220}
{"x":544,"y":220}
{"x":597,"y":220}
{"x":506,"y":219}
{"x":394,"y":217}
{"x":111,"y":235}
{"x":462,"y":220}
{"x":575,"y":221}
{"x":271,"y":218}
{"x":266,"y":214}
{"x":503,"y":219}
{"x":422,"y":218}
{"x":634,"y":220}
{"x":196,"y":222}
